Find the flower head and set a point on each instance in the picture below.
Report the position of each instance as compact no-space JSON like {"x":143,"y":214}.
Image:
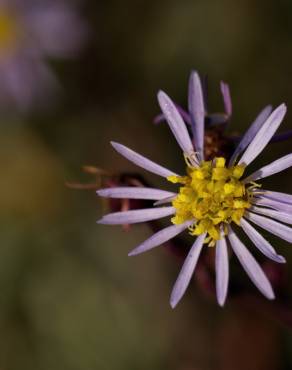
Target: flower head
{"x":213,"y":196}
{"x":31,"y":31}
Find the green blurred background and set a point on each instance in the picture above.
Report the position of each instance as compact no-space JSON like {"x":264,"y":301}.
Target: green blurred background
{"x":70,"y":298}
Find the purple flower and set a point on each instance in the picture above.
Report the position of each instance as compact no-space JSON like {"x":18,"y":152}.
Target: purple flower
{"x":213,"y":196}
{"x":31,"y":31}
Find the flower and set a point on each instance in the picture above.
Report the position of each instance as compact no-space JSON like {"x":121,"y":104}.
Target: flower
{"x":30,"y":31}
{"x":213,"y":198}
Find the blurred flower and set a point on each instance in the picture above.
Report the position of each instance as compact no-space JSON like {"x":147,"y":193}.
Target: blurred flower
{"x":212,"y":196}
{"x":30,"y":31}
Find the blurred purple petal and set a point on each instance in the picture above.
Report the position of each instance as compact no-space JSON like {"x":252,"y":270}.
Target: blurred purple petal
{"x":134,"y":192}
{"x":57,"y":28}
{"x":175,"y":123}
{"x":282,"y":231}
{"x":216,"y":119}
{"x":282,"y":137}
{"x":222,"y":270}
{"x":160,"y":237}
{"x":275,"y":139}
{"x":225,"y":90}
{"x":159,"y":118}
{"x":251,"y":132}
{"x":250,"y":265}
{"x":26,"y":82}
{"x":264,"y":135}
{"x":136,"y":216}
{"x":141,"y":161}
{"x":197,"y":111}
{"x":260,"y":242}
{"x":187,"y":271}
{"x":278,"y":165}
{"x":45,"y":29}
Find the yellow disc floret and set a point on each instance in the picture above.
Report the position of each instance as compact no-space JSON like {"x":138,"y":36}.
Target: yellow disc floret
{"x":213,"y":196}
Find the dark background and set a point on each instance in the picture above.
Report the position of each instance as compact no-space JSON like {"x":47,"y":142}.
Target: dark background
{"x":70,"y":298}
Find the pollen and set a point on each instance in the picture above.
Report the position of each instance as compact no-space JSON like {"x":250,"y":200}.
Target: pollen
{"x":213,"y":196}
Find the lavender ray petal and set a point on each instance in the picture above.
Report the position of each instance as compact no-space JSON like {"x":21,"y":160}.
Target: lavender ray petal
{"x":250,"y":133}
{"x":251,"y":266}
{"x":175,"y":122}
{"x":186,"y":117}
{"x":197,"y":111}
{"x":279,"y":165}
{"x":264,"y":135}
{"x":282,"y":231}
{"x":160,"y":237}
{"x":282,"y":136}
{"x":165,"y":200}
{"x":275,"y":195}
{"x":277,"y":215}
{"x":222,"y":270}
{"x":187,"y":271}
{"x":134,"y":192}
{"x":266,"y":202}
{"x":141,"y":161}
{"x":225,"y":91}
{"x":136,"y":216}
{"x":216,"y":119}
{"x":260,"y":242}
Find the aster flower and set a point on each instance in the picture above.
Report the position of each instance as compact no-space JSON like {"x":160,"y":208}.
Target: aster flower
{"x":214,"y":197}
{"x":30,"y":31}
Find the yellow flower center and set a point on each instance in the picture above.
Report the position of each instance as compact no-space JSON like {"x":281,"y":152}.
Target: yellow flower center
{"x":213,"y":196}
{"x":9,"y":31}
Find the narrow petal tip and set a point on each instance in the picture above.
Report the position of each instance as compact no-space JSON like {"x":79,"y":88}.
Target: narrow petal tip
{"x":173,"y":303}
{"x":221,"y":302}
{"x":164,"y":101}
{"x":281,"y":110}
{"x":194,"y":74}
{"x":100,"y":221}
{"x":280,"y":259}
{"x":133,"y":252}
{"x":161,"y":95}
{"x":117,"y":146}
{"x":114,"y":144}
